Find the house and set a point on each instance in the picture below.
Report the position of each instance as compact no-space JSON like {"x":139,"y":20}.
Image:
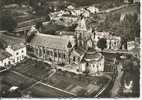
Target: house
{"x":131,"y":1}
{"x":5,"y":58}
{"x":16,"y":47}
{"x":93,"y":9}
{"x":53,"y":48}
{"x":67,"y":20}
{"x":18,"y":52}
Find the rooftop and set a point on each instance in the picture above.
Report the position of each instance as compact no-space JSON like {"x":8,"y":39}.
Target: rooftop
{"x":52,"y":41}
{"x":4,"y":54}
{"x":18,"y":46}
{"x":92,"y":55}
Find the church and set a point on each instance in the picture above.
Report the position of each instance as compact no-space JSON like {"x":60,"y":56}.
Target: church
{"x":68,"y":49}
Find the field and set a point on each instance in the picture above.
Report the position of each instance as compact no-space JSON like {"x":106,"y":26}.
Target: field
{"x":74,"y":83}
{"x":34,"y":69}
{"x":41,"y":90}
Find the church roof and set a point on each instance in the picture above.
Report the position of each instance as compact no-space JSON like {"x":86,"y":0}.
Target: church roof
{"x":52,"y":41}
{"x":92,"y":55}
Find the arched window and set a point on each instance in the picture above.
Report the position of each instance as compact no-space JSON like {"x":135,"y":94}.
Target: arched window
{"x":74,"y":58}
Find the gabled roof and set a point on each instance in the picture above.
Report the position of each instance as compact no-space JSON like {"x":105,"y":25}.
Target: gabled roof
{"x":4,"y":55}
{"x":52,"y":41}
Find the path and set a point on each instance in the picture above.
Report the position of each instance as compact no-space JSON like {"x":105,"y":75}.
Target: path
{"x":117,"y":83}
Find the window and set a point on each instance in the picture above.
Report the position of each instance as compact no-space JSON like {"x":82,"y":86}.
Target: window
{"x":64,"y":56}
{"x":17,"y":58}
{"x":9,"y":62}
{"x":74,"y":58}
{"x":17,"y":53}
{"x":22,"y":51}
{"x":59,"y":54}
{"x":22,"y":56}
{"x":55,"y":54}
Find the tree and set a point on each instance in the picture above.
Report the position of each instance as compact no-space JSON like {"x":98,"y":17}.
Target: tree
{"x":3,"y":44}
{"x":102,"y":43}
{"x":7,"y":22}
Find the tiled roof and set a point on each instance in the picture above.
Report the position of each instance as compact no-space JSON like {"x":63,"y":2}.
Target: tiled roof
{"x":4,"y":54}
{"x":52,"y":41}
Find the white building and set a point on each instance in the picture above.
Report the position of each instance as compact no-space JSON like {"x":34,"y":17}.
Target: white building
{"x":15,"y":47}
{"x":18,"y":52}
{"x":113,"y":42}
{"x":93,"y":9}
{"x":5,"y":58}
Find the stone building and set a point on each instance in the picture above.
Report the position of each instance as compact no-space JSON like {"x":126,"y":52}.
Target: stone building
{"x":5,"y":58}
{"x":83,"y":33}
{"x":113,"y":42}
{"x":16,"y":47}
{"x":92,"y":62}
{"x":53,"y":48}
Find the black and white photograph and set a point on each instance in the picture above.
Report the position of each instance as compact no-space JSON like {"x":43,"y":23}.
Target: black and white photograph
{"x":70,"y":49}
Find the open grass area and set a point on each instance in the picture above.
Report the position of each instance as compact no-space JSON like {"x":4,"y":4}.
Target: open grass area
{"x":75,"y":83}
{"x":41,"y":90}
{"x":17,"y":80}
{"x":35,"y":69}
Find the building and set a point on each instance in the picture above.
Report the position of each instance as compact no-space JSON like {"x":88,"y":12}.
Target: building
{"x":131,"y":1}
{"x":16,"y":47}
{"x":113,"y":42}
{"x":83,"y":33}
{"x":53,"y":48}
{"x":92,"y":62}
{"x":18,"y":52}
{"x":93,"y":9}
{"x":5,"y":58}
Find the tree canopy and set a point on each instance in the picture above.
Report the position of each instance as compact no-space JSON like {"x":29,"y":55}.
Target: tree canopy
{"x":102,"y":43}
{"x":7,"y":21}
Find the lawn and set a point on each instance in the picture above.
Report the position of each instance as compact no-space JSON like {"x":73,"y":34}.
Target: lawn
{"x":41,"y":90}
{"x":14,"y":79}
{"x":69,"y":81}
{"x":35,"y":69}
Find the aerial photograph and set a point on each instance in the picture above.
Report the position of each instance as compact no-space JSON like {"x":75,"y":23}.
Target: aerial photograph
{"x":70,"y":48}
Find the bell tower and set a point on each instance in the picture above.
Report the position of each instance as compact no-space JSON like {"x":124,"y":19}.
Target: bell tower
{"x":82,"y":32}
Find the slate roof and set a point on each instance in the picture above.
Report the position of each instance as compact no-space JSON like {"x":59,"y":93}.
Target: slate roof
{"x":4,"y":55}
{"x":52,"y":41}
